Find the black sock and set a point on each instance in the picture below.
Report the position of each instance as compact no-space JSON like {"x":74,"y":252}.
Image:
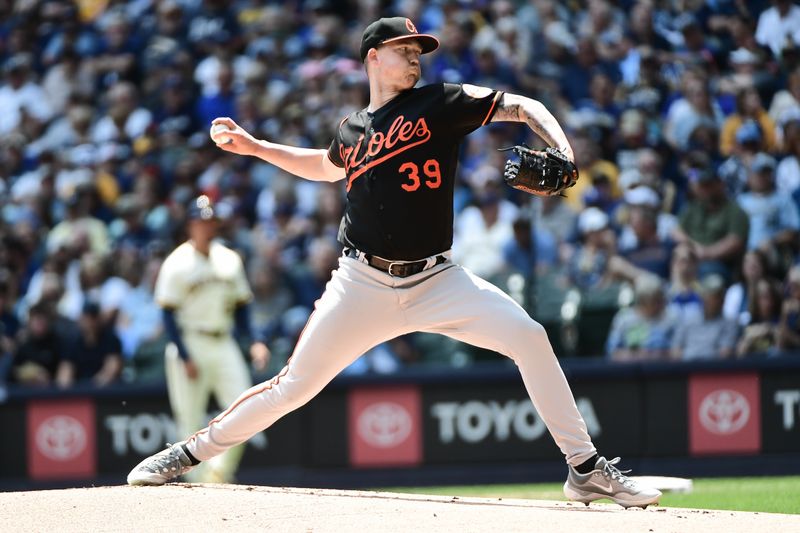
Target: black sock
{"x":588,"y":465}
{"x":191,"y":457}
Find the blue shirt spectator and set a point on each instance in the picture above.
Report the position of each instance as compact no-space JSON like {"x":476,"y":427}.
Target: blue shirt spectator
{"x":774,"y":219}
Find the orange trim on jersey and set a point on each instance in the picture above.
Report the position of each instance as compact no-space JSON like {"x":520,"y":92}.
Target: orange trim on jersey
{"x":341,"y":123}
{"x":491,"y":109}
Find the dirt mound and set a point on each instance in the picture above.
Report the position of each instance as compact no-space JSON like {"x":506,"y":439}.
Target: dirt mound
{"x":185,"y":507}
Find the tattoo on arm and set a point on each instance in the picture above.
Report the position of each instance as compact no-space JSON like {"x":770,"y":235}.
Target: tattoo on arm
{"x":507,"y":110}
{"x":515,"y":108}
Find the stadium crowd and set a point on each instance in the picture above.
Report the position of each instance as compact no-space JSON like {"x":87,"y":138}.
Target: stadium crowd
{"x":684,"y":116}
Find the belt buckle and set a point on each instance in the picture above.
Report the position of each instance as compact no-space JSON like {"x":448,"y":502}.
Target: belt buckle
{"x":389,"y":270}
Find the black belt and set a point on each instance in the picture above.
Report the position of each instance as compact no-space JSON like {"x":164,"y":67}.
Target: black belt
{"x":400,"y":269}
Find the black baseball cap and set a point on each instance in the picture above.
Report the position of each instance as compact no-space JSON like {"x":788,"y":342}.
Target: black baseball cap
{"x":387,"y":30}
{"x":201,"y":208}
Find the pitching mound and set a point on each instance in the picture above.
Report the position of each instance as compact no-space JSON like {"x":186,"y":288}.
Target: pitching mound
{"x":184,"y":507}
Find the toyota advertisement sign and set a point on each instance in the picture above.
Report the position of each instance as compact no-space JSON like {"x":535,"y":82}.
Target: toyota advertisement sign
{"x":449,"y":422}
{"x":725,"y":414}
{"x":61,"y":440}
{"x":384,"y":426}
{"x":780,"y":399}
{"x":470,"y":424}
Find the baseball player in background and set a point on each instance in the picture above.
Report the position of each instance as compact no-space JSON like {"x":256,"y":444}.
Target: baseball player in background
{"x":203,"y":291}
{"x":398,"y":161}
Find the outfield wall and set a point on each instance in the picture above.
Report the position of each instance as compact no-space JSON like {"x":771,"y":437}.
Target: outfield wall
{"x":480,"y":416}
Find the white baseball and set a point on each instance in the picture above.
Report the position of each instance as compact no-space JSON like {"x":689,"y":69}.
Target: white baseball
{"x":216,"y":133}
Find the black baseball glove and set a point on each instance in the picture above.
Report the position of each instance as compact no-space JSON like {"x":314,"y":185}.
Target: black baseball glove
{"x":541,"y":173}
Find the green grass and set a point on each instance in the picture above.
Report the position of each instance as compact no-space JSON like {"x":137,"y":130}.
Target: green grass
{"x":764,"y":494}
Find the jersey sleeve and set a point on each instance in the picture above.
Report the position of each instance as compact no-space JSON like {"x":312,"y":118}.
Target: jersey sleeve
{"x":334,"y":154}
{"x":241,"y":288}
{"x":170,"y":288}
{"x":465,"y":113}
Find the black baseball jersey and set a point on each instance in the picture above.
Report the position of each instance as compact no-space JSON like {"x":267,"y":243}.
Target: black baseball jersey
{"x":401,"y":163}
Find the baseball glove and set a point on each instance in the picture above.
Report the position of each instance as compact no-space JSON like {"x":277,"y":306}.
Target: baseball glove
{"x":541,"y":173}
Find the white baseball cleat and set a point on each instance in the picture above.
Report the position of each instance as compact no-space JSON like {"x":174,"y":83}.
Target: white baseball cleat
{"x":161,"y":467}
{"x":607,"y":481}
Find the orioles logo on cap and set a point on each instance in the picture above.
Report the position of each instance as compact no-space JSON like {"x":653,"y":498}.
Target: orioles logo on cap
{"x":410,"y":26}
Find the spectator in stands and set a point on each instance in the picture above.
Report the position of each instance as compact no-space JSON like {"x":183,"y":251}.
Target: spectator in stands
{"x":587,"y":268}
{"x":787,"y":174}
{"x":174,"y":113}
{"x":23,"y":104}
{"x":748,"y":107}
{"x":748,"y":71}
{"x":714,"y":336}
{"x":695,"y":108}
{"x":219,"y":103}
{"x":755,"y":267}
{"x":774,"y":220}
{"x":271,"y":294}
{"x":712,"y":224}
{"x":735,"y":170}
{"x":129,"y":229}
{"x":65,"y":132}
{"x":308,"y":282}
{"x":95,"y":356}
{"x":576,"y":76}
{"x":789,"y":327}
{"x":645,"y":248}
{"x":683,"y":293}
{"x":601,"y":98}
{"x":592,"y":165}
{"x":761,"y":335}
{"x":643,"y":332}
{"x":455,"y":62}
{"x":116,"y":54}
{"x":532,"y":250}
{"x":786,"y":101}
{"x":67,"y":81}
{"x":140,"y":325}
{"x":484,"y":229}
{"x":693,"y":49}
{"x":40,"y":350}
{"x":125,"y":120}
{"x":779,"y":26}
{"x":138,"y":319}
{"x":554,"y":215}
{"x":92,"y":275}
{"x":102,"y":104}
{"x":121,"y":273}
{"x":79,"y":224}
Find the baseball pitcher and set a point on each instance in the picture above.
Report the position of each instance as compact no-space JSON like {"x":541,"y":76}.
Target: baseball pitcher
{"x":203,"y":291}
{"x":397,"y":160}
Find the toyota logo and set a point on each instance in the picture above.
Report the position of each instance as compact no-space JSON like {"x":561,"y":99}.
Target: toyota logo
{"x":724,"y":411}
{"x":61,"y":438}
{"x":384,"y":424}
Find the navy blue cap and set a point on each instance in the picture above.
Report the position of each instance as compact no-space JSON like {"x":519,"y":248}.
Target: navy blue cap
{"x":201,"y":209}
{"x":391,"y":29}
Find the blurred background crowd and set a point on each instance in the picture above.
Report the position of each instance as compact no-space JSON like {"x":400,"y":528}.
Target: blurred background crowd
{"x":680,"y":241}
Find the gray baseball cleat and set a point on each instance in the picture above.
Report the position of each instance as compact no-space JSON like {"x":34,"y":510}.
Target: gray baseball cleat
{"x":161,"y":467}
{"x":607,"y":481}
